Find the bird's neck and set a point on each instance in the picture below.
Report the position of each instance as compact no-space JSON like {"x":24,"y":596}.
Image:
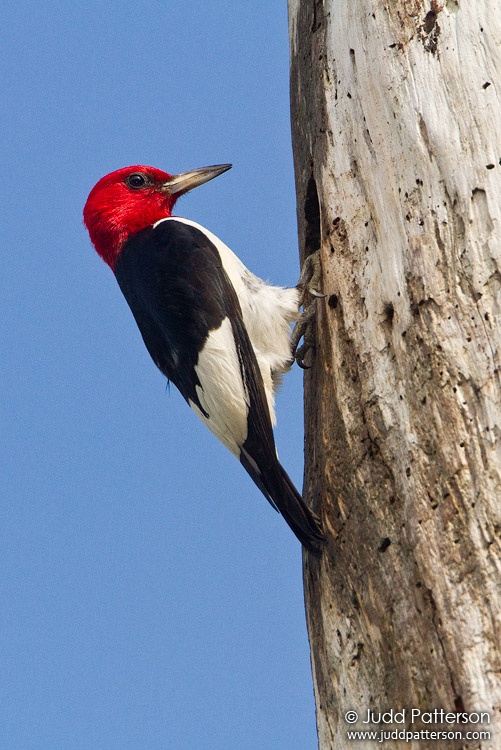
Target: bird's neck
{"x":109,"y":235}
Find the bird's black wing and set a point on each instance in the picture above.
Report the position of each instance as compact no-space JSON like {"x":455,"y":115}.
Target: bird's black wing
{"x":172,"y":279}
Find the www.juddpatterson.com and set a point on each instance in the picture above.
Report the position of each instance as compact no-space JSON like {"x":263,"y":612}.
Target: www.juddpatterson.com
{"x":382,"y":735}
{"x":414,"y":719}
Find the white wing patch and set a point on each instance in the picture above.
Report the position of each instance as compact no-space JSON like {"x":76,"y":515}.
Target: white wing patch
{"x":267,"y":311}
{"x":222,"y":392}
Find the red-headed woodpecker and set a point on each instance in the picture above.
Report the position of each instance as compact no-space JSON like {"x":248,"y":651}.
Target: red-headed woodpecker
{"x":218,"y":332}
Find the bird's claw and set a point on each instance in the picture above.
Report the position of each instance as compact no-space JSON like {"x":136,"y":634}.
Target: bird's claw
{"x":304,"y":329}
{"x":309,"y":279}
{"x":311,"y":274}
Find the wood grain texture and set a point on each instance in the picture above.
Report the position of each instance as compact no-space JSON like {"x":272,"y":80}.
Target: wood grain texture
{"x":396,"y":120}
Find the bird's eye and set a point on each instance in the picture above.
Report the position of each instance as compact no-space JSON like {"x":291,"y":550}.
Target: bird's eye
{"x":137,"y":180}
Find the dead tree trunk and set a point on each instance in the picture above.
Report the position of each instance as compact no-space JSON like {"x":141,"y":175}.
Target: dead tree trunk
{"x":396,"y":123}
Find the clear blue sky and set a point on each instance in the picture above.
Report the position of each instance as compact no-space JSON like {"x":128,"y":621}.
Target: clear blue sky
{"x":150,"y":597}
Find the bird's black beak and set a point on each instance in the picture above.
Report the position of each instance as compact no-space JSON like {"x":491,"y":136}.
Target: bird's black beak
{"x":181,"y":183}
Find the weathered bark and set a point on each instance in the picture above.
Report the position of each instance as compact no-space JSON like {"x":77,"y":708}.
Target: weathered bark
{"x":396,"y":122}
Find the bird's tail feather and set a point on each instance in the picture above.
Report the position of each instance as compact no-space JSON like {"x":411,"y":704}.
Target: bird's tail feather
{"x":305,"y":524}
{"x":279,"y":490}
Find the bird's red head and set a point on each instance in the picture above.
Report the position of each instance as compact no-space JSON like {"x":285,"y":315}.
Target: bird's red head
{"x":133,"y":198}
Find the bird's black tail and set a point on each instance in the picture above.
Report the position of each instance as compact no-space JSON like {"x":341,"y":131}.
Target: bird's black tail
{"x":278,"y":488}
{"x":258,"y":454}
{"x":305,"y":524}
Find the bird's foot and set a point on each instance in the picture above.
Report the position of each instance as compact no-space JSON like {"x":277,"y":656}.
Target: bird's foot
{"x":309,"y":279}
{"x":304,"y":329}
